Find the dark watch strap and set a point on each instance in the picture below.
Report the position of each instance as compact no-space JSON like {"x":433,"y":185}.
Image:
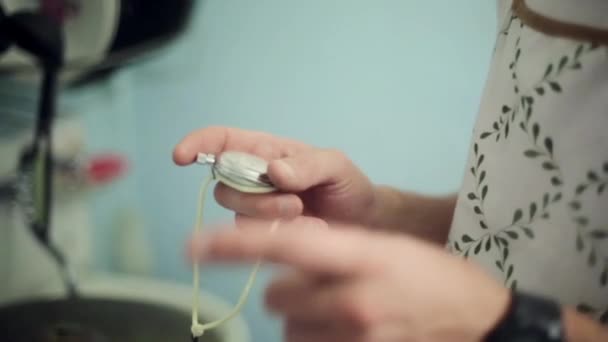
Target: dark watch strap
{"x":529,"y":318}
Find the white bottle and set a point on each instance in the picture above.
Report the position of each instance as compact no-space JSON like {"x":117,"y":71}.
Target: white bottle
{"x":132,"y":252}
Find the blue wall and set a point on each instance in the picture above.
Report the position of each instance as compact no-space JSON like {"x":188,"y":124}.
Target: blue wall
{"x":395,"y":84}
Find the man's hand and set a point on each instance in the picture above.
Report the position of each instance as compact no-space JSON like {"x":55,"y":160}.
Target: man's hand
{"x":315,"y":184}
{"x":351,"y":284}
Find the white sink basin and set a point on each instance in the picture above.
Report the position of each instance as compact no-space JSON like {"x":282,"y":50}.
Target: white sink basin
{"x":154,"y":291}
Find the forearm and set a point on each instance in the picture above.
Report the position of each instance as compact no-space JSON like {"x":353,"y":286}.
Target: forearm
{"x":579,"y":328}
{"x":427,"y":217}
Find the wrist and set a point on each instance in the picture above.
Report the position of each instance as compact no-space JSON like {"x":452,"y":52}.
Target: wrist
{"x":383,"y":199}
{"x":427,"y":217}
{"x":388,"y":208}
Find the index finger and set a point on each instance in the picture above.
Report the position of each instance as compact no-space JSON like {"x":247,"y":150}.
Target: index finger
{"x":216,"y":139}
{"x":336,"y":252}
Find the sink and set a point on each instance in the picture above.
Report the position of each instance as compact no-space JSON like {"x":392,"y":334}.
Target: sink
{"x":117,"y":305}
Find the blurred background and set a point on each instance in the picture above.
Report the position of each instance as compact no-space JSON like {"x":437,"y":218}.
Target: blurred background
{"x":393,"y":83}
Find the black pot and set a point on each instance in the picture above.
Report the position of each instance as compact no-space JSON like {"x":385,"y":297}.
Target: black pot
{"x":95,"y":320}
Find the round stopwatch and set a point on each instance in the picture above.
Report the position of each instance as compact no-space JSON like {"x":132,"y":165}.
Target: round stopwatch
{"x":241,"y":171}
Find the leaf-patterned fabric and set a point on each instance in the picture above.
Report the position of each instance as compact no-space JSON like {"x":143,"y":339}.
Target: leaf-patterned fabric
{"x":533,"y":209}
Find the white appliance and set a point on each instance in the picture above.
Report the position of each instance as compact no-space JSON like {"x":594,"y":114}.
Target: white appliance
{"x":99,"y":36}
{"x":89,"y":30}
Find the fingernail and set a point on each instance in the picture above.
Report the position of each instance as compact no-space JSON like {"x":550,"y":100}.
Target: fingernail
{"x":285,"y":169}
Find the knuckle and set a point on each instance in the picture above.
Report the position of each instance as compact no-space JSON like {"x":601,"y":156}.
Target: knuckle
{"x":334,"y":162}
{"x":287,"y":151}
{"x":264,"y":149}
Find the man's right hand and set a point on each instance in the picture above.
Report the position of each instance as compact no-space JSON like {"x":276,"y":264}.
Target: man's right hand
{"x":314,"y":183}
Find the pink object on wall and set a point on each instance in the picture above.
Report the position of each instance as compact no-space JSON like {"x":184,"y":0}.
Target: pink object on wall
{"x":105,"y":168}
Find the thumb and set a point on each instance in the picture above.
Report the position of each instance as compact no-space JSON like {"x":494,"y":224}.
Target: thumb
{"x":310,"y":169}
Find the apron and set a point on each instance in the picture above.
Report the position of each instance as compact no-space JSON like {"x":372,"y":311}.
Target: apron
{"x":533,"y":207}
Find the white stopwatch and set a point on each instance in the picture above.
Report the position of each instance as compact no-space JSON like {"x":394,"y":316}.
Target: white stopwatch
{"x":241,"y":171}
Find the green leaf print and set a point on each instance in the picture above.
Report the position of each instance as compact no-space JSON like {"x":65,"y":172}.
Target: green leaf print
{"x":535,"y":131}
{"x":503,"y":241}
{"x":599,"y":234}
{"x":580,"y":189}
{"x":480,"y":160}
{"x":511,"y":234}
{"x":579,"y":51}
{"x":482,"y":176}
{"x":592,"y":259}
{"x":499,"y":265}
{"x":514,"y":285}
{"x":582,"y":221}
{"x":592,"y":176}
{"x":556,"y":181}
{"x":549,"y":145}
{"x":529,"y":233}
{"x":548,"y":71}
{"x":557,"y":197}
{"x":555,"y":87}
{"x":580,"y":245}
{"x":540,"y":91}
{"x":543,"y":149}
{"x":478,"y":247}
{"x":517,"y":216}
{"x":532,"y":210}
{"x":528,"y":115}
{"x":549,"y":166}
{"x":532,"y":153}
{"x":575,"y":205}
{"x":562,"y":63}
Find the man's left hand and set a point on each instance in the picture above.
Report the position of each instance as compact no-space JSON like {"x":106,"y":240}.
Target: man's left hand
{"x":351,"y":284}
